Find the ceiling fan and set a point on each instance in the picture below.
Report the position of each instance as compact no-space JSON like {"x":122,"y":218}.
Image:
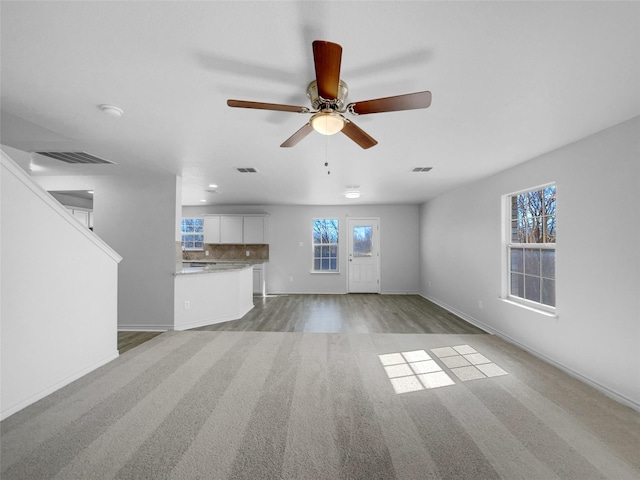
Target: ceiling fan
{"x":327,"y":94}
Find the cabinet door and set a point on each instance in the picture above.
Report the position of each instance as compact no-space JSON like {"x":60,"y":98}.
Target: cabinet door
{"x":230,"y":229}
{"x":212,"y":229}
{"x":253,"y":230}
{"x":258,"y":280}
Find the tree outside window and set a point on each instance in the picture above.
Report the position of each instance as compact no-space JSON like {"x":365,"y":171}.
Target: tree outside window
{"x":325,"y":245}
{"x":192,"y":233}
{"x":532,"y":246}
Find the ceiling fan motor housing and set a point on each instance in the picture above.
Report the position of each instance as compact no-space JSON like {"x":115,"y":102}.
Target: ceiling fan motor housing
{"x":327,"y":104}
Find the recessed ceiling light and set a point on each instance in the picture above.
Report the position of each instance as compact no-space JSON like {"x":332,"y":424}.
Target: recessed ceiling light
{"x":90,"y":192}
{"x":213,"y":185}
{"x":111,"y":110}
{"x":203,"y":200}
{"x":352,"y":194}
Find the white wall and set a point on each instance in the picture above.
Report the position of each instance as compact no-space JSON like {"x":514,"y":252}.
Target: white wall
{"x":287,"y":226}
{"x":597,"y":333}
{"x":58,"y":314}
{"x":212,"y":297}
{"x":136,"y":215}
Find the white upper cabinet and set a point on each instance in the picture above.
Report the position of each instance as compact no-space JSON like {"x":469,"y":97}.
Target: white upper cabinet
{"x":212,"y":229}
{"x":254,"y":230}
{"x":231,"y":229}
{"x":235,"y":229}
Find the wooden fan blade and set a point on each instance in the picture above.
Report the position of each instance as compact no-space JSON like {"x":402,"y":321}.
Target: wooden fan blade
{"x":410,"y":101}
{"x":358,"y":135}
{"x":266,"y":106}
{"x":299,"y":135}
{"x":327,"y":57}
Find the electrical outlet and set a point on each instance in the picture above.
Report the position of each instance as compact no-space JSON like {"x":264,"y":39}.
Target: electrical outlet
{"x":291,"y":279}
{"x":301,"y":244}
{"x":480,"y":305}
{"x":187,"y":305}
{"x":206,"y":253}
{"x":248,"y":253}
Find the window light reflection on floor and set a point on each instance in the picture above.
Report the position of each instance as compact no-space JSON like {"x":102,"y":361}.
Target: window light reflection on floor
{"x":417,"y":370}
{"x":413,"y":371}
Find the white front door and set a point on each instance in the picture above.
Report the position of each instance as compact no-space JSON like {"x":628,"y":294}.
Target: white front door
{"x":364,"y":255}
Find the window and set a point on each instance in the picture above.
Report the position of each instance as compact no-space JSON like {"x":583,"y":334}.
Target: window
{"x":531,"y":248}
{"x":325,"y":245}
{"x":192,"y":233}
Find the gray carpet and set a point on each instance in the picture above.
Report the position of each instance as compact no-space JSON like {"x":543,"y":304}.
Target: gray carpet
{"x":217,"y":405}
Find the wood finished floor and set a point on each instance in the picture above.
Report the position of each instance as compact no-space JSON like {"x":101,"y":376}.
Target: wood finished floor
{"x":353,"y":313}
{"x":129,"y":340}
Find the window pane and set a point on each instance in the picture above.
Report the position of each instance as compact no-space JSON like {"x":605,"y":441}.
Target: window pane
{"x":549,"y":292}
{"x":532,"y":261}
{"x":548,"y":263}
{"x":517,"y":285}
{"x":532,"y":219}
{"x":532,"y":288}
{"x":325,"y":240}
{"x":362,"y":241}
{"x":188,"y":244}
{"x":188,"y":225}
{"x":551,"y":229}
{"x":517,"y":264}
{"x":198,"y":225}
{"x":325,"y":231}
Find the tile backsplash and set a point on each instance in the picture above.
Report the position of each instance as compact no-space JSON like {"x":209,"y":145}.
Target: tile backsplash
{"x":227,"y":252}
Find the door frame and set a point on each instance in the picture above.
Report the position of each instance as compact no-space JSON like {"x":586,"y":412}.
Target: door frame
{"x":350,"y":244}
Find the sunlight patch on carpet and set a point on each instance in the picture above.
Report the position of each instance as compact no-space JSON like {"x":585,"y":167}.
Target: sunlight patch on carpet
{"x":417,"y":370}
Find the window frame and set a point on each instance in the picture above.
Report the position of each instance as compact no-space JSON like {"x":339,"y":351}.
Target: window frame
{"x":335,"y":244}
{"x":184,"y":233}
{"x":509,"y":245}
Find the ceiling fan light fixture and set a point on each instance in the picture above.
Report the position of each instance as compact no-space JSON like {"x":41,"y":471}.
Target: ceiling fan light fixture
{"x":111,"y":110}
{"x":327,"y":123}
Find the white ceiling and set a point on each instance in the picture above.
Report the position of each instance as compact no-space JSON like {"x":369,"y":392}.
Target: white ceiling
{"x":510,"y":81}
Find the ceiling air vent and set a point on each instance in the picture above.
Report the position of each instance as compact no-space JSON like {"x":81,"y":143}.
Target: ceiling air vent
{"x":76,"y":157}
{"x":247,"y":170}
{"x":421,"y":169}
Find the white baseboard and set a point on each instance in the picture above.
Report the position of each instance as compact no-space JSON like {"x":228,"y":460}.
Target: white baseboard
{"x":618,"y":397}
{"x":143,"y":328}
{"x":57,"y":386}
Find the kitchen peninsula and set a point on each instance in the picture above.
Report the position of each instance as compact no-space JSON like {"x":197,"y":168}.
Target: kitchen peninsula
{"x":210,"y":294}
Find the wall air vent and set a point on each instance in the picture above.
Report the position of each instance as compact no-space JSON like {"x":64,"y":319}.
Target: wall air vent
{"x":421,"y":169}
{"x":76,"y":157}
{"x":247,"y":170}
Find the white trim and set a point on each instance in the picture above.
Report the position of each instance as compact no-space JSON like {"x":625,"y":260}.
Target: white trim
{"x":618,"y":397}
{"x":143,"y":328}
{"x":531,"y":306}
{"x":49,"y":390}
{"x":13,"y":168}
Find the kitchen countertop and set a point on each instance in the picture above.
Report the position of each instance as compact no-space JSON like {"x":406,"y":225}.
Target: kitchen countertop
{"x":215,"y":267}
{"x":253,"y":261}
